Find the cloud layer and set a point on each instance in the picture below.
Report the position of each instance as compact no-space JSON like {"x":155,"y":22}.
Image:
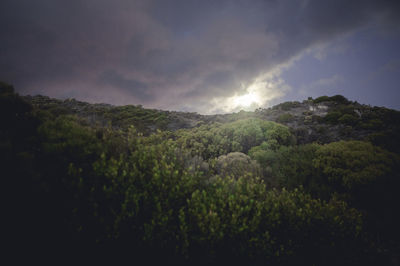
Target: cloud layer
{"x":181,"y":54}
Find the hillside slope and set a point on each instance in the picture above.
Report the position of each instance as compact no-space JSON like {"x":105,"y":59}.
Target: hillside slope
{"x":323,"y":120}
{"x":310,"y":183}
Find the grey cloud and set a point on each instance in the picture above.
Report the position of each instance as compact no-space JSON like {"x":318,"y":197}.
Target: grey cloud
{"x":189,"y":50}
{"x":133,"y":87}
{"x":216,"y":84}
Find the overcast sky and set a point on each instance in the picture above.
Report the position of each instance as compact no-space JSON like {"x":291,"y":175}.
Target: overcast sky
{"x":203,"y":56}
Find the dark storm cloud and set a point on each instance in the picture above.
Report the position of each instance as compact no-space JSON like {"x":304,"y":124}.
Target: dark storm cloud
{"x":218,"y":84}
{"x":166,"y":53}
{"x":137,"y":88}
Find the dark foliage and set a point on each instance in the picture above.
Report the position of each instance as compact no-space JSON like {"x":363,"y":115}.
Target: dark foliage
{"x":238,"y":191}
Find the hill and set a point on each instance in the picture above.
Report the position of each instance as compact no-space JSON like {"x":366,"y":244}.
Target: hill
{"x":323,"y":120}
{"x":312,"y":182}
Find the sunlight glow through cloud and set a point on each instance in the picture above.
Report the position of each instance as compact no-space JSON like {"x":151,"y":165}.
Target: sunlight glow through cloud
{"x":201,"y":56}
{"x":260,"y":93}
{"x":246,"y":100}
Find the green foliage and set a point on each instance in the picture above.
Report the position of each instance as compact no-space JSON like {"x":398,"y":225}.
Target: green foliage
{"x":65,"y":136}
{"x":333,"y":117}
{"x":286,"y":106}
{"x":342,"y":114}
{"x":152,"y":185}
{"x":348,"y":119}
{"x":321,"y":99}
{"x":237,"y":164}
{"x":243,"y":220}
{"x":353,"y":163}
{"x":339,"y":167}
{"x":387,"y":139}
{"x":118,"y":117}
{"x":211,"y":141}
{"x":194,"y":196}
{"x":142,"y":119}
{"x":364,"y":175}
{"x":372,"y":124}
{"x":337,"y":98}
{"x":147,"y":199}
{"x":285,"y":118}
{"x":293,"y":167}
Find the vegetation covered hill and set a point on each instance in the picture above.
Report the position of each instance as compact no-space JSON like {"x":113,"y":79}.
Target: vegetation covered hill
{"x":323,"y":120}
{"x":310,"y":183}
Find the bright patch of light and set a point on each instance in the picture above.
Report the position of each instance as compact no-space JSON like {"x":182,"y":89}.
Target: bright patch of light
{"x":246,"y":100}
{"x":249,"y":100}
{"x":259,"y":93}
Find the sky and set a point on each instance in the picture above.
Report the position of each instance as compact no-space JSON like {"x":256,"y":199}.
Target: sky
{"x":204,"y":56}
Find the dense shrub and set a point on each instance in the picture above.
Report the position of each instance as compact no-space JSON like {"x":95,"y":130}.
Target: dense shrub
{"x":214,"y":140}
{"x":321,"y":99}
{"x":194,"y":196}
{"x":286,"y":106}
{"x":285,"y":118}
{"x":348,"y":119}
{"x":337,"y":98}
{"x":237,"y":164}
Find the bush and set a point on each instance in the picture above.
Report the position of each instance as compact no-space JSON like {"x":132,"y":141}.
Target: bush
{"x":211,"y":141}
{"x":321,"y":99}
{"x":333,"y":117}
{"x":337,"y":98}
{"x":285,"y":118}
{"x":242,"y":221}
{"x":237,"y":164}
{"x":347,"y":119}
{"x":286,"y":106}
